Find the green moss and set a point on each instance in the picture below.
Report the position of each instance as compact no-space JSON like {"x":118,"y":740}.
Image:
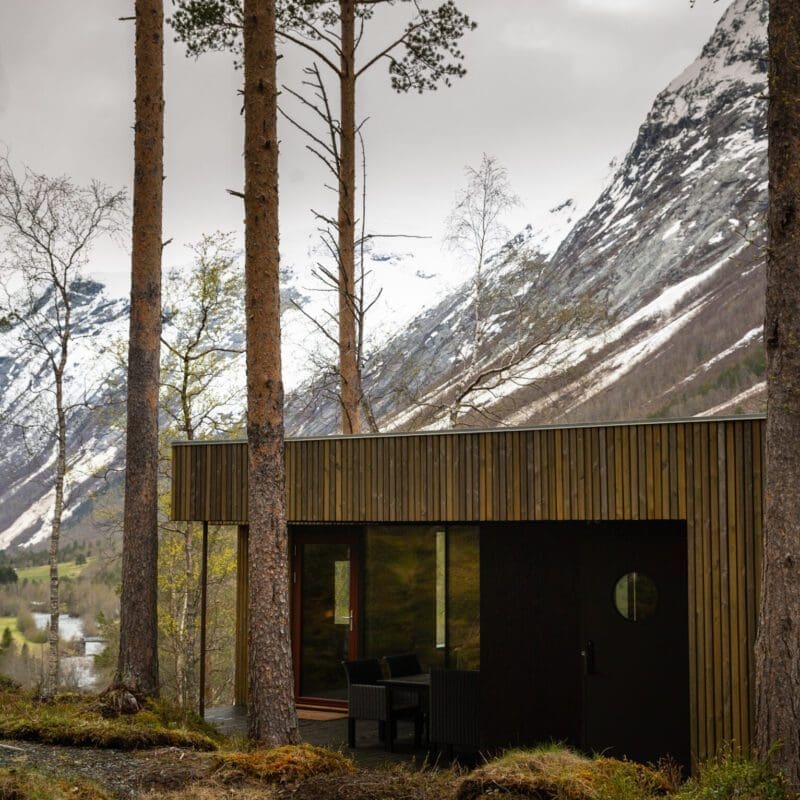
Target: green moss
{"x":554,"y":772}
{"x":284,"y":765}
{"x":77,"y":720}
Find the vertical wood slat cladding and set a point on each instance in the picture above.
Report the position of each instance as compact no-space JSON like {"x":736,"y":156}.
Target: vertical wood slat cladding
{"x":708,"y":472}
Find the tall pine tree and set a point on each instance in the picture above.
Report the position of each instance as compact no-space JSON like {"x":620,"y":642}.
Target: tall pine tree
{"x":423,"y":56}
{"x":270,"y":701}
{"x":137,"y":668}
{"x":778,"y":643}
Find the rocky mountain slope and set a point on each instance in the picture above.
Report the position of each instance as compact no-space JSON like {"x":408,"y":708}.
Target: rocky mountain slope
{"x":93,"y":401}
{"x":671,"y":255}
{"x":649,"y":304}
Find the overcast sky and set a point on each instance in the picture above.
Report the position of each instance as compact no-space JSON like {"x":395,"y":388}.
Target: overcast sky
{"x":554,"y":90}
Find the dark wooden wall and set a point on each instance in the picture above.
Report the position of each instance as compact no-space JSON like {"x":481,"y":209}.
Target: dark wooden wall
{"x":707,"y":472}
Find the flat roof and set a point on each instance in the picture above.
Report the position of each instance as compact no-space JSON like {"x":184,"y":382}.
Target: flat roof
{"x":509,"y":429}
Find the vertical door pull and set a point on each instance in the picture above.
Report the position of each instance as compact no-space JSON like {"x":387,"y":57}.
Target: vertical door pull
{"x":587,"y":654}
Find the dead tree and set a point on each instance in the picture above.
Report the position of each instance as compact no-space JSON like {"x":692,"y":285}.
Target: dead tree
{"x":422,"y":57}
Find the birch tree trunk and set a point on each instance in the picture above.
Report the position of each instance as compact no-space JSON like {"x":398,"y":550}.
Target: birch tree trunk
{"x":51,"y":680}
{"x":778,"y":642}
{"x":271,"y":708}
{"x":137,"y":668}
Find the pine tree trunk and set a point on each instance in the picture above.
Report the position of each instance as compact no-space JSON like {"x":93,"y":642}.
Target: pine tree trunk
{"x":778,"y":642}
{"x":137,"y":668}
{"x":349,"y":373}
{"x":271,"y":708}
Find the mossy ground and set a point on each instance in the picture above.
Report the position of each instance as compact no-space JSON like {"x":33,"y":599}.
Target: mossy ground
{"x":286,"y":765}
{"x":27,"y":784}
{"x":557,"y":773}
{"x":78,"y":721}
{"x":306,"y":772}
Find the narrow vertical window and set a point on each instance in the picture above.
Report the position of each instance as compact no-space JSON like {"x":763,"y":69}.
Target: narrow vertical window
{"x":441,"y":589}
{"x":341,"y":592}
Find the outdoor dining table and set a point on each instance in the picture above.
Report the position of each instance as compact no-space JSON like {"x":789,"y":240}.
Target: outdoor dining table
{"x":420,"y":684}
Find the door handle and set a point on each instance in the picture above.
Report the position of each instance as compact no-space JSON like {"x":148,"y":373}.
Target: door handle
{"x":351,"y":620}
{"x":587,"y":654}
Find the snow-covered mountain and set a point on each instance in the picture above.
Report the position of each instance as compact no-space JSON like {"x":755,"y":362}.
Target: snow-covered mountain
{"x":93,"y":402}
{"x":672,"y":253}
{"x":648,"y":304}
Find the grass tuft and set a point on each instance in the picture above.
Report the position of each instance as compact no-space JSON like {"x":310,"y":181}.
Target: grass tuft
{"x":397,"y":782}
{"x":732,"y":776}
{"x":288,"y":764}
{"x":26,"y":784}
{"x":76,"y":720}
{"x":557,"y":773}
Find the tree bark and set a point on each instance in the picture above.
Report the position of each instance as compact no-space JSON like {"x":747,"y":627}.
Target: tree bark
{"x":51,"y":681}
{"x":271,"y":708}
{"x":349,"y":372}
{"x":137,"y":668}
{"x":778,"y":642}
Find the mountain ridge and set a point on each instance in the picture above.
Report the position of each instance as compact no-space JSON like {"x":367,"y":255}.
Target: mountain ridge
{"x":670,"y":257}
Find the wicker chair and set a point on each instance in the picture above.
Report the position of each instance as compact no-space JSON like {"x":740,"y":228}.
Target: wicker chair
{"x":402,"y":665}
{"x":454,"y":709}
{"x":368,"y":701}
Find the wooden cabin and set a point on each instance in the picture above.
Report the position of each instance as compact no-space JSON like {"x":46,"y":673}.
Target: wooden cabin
{"x":603,"y":578}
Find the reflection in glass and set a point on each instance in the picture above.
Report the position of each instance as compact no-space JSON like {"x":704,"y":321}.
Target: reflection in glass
{"x":400,"y":593}
{"x":422,"y":594}
{"x":636,"y":596}
{"x":441,"y":589}
{"x":463,"y":598}
{"x":341,"y":592}
{"x":325,"y":625}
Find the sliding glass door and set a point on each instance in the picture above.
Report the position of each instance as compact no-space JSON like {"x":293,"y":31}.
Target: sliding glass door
{"x":325,"y":574}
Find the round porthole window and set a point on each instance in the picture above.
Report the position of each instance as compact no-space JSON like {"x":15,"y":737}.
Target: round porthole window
{"x":636,"y":596}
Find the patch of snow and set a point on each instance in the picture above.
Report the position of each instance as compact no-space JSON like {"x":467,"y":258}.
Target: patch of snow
{"x":744,"y":341}
{"x":747,"y":394}
{"x":36,"y":517}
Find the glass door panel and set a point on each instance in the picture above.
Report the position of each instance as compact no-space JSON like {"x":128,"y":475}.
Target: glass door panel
{"x":325,"y":577}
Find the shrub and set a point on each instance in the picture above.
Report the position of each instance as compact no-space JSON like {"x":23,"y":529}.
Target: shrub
{"x":287,"y":764}
{"x":732,"y":776}
{"x":27,"y":627}
{"x":7,"y":684}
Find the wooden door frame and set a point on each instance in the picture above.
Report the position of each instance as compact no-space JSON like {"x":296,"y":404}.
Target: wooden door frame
{"x":323,"y":534}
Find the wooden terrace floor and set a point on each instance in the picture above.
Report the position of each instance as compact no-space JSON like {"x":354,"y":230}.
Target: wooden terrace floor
{"x":369,"y":751}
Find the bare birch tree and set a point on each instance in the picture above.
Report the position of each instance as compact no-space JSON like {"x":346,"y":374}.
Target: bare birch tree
{"x":777,"y":657}
{"x":49,"y":226}
{"x":203,"y":321}
{"x":475,"y":229}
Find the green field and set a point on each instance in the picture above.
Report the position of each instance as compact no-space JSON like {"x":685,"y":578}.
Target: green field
{"x":67,"y":569}
{"x":19,"y":638}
